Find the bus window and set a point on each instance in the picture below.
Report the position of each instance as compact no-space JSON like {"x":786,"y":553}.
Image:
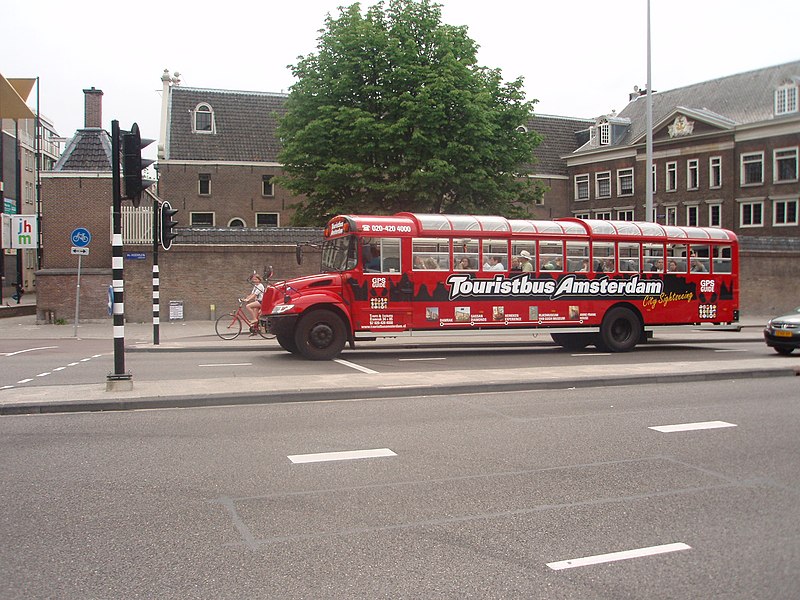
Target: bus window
{"x":551,"y":256}
{"x":628,"y":257}
{"x":431,"y":253}
{"x":381,"y":255}
{"x":578,"y":257}
{"x":495,"y":255}
{"x":676,"y":258}
{"x":520,"y":261}
{"x":465,"y":255}
{"x":653,"y":257}
{"x":699,"y":259}
{"x":603,"y":256}
{"x":722,"y":259}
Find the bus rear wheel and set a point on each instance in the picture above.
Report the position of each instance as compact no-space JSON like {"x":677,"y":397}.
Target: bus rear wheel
{"x":320,"y":335}
{"x":573,"y":341}
{"x":620,"y":331}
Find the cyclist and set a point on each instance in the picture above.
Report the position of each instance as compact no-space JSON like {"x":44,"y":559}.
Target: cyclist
{"x":253,"y":300}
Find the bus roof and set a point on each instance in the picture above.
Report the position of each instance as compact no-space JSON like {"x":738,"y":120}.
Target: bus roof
{"x":422,"y":224}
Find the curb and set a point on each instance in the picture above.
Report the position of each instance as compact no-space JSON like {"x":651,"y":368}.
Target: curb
{"x":282,"y":396}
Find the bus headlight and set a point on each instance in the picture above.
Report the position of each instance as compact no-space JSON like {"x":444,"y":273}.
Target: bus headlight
{"x":282,"y":308}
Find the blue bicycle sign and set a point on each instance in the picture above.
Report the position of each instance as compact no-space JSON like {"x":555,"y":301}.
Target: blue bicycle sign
{"x":81,"y":237}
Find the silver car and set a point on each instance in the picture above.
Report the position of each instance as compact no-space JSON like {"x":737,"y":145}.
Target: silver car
{"x":783,"y":333}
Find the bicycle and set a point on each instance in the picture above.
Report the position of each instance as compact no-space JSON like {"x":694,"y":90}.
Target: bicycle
{"x":229,"y":325}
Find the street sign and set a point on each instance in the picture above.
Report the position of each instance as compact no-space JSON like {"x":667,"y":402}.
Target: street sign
{"x":80,"y":237}
{"x":24,"y":231}
{"x":79,"y":250}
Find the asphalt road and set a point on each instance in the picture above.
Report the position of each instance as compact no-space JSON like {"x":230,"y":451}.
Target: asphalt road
{"x":470,"y":496}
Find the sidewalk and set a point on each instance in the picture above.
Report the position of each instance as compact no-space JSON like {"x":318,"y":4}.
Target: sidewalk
{"x":199,"y":336}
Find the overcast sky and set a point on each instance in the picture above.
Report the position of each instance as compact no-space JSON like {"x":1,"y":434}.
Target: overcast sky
{"x":579,"y":58}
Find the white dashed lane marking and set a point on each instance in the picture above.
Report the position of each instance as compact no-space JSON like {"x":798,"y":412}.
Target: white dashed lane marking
{"x":347,"y":455}
{"x":347,"y":363}
{"x":692,"y":426}
{"x":46,"y":373}
{"x":615,"y":556}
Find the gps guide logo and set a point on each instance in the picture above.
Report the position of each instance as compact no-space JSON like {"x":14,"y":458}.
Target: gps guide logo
{"x":525,"y":286}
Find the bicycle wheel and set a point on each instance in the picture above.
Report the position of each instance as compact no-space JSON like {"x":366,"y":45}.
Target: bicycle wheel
{"x":228,"y":326}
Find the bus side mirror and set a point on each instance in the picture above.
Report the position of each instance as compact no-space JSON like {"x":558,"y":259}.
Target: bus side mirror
{"x":298,"y":254}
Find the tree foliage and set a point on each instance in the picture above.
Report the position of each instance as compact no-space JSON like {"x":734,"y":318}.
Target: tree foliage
{"x":393,"y":113}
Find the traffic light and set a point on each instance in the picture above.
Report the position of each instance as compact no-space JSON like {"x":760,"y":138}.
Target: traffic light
{"x":133,"y":164}
{"x":167,"y":225}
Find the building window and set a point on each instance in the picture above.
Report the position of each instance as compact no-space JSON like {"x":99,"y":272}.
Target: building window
{"x":201,"y":219}
{"x":204,"y":184}
{"x":203,"y":119}
{"x":237,"y":222}
{"x":603,"y":215}
{"x":655,"y":178}
{"x":625,"y":182}
{"x":672,"y":177}
{"x":267,"y":219}
{"x":715,"y":172}
{"x":582,"y":187}
{"x":786,"y":99}
{"x":785,"y":165}
{"x":753,"y":168}
{"x":671,"y":215}
{"x":691,"y":215}
{"x":583,"y":215}
{"x":751,"y":214}
{"x":784,"y":212}
{"x":605,"y":134}
{"x":625,"y":215}
{"x":267,"y":187}
{"x":692,"y":174}
{"x":715,"y":215}
{"x":602,"y":184}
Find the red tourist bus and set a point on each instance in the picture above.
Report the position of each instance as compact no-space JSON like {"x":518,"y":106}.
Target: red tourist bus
{"x":585,"y":281}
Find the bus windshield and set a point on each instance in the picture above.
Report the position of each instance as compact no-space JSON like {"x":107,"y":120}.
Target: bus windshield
{"x":339,"y":254}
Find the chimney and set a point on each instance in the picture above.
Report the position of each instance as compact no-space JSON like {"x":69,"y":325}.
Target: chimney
{"x":93,"y":108}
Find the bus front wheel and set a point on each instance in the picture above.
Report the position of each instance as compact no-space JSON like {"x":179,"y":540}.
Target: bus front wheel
{"x":320,"y":335}
{"x":286,"y":342}
{"x":620,"y":331}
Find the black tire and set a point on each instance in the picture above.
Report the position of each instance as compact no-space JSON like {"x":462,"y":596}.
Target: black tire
{"x":620,"y":331}
{"x":573,"y":341}
{"x":320,"y":335}
{"x":783,"y":350}
{"x":287,"y":342}
{"x":228,"y":326}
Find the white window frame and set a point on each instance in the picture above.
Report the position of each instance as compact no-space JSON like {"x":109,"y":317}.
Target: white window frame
{"x":715,"y":222}
{"x":752,"y":223}
{"x":789,"y":154}
{"x":692,"y":213}
{"x":748,"y":158}
{"x":715,"y":172}
{"x":786,"y":99}
{"x":266,"y":180}
{"x":605,"y":134}
{"x":202,"y":212}
{"x":603,"y":177}
{"x":204,"y":108}
{"x":693,"y":174}
{"x":277,"y":218}
{"x":603,"y":215}
{"x":625,"y":214}
{"x":670,"y":215}
{"x":230,"y":223}
{"x":581,"y":182}
{"x":583,"y":215}
{"x":624,"y":174}
{"x":785,"y":203}
{"x":671,"y":171}
{"x":654,"y":175}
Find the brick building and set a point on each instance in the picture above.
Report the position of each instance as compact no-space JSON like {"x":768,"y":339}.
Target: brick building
{"x":725,"y":154}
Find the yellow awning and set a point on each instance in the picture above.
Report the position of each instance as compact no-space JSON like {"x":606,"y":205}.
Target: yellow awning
{"x":12,"y":102}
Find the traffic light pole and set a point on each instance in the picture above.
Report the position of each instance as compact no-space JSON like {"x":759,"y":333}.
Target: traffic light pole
{"x":119,"y":380}
{"x":156,"y":282}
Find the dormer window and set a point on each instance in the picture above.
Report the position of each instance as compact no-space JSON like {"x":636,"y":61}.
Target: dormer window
{"x":203,"y":120}
{"x":786,"y":98}
{"x":605,"y":134}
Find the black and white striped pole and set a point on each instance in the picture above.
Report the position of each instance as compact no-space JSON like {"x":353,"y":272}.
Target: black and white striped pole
{"x":156,"y":283}
{"x":118,"y":380}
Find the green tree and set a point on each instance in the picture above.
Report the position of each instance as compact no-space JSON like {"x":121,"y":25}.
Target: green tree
{"x":393,"y":113}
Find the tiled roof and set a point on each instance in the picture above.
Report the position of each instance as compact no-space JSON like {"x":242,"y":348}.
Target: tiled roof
{"x":89,"y":150}
{"x":245,"y":125}
{"x":559,"y":139}
{"x":739,"y":99}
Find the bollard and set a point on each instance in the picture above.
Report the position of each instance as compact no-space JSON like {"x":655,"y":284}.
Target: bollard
{"x":213,"y":311}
